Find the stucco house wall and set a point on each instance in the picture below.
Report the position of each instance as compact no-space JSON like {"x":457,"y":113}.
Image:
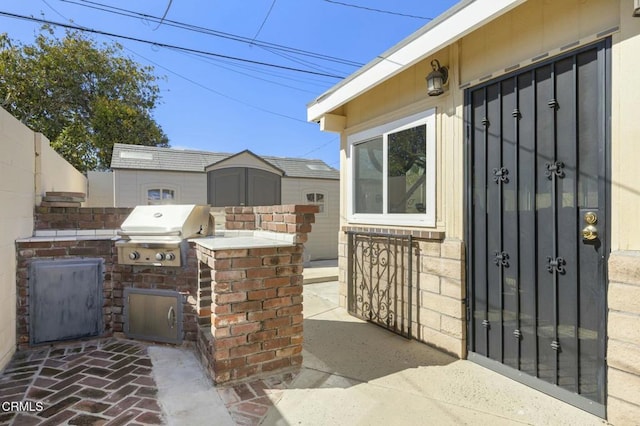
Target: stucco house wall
{"x":517,"y":34}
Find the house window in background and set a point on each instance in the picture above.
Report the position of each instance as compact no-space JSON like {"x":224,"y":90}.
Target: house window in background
{"x":161,"y":196}
{"x":316,"y":198}
{"x":392,"y":172}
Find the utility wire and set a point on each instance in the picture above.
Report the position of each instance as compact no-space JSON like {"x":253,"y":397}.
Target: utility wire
{"x":198,"y":83}
{"x":298,"y":61}
{"x":320,"y":147}
{"x":378,"y":10}
{"x":224,"y":95}
{"x":203,"y":30}
{"x":209,"y":61}
{"x":264,"y":21}
{"x":270,"y":47}
{"x":165,"y":45}
{"x":215,"y":91}
{"x":165,"y":15}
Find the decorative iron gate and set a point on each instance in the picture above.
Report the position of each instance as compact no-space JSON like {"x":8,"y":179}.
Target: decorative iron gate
{"x":380,"y":280}
{"x":538,"y":225}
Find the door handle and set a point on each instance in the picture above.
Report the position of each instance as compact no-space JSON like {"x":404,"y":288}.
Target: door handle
{"x":171,"y":317}
{"x":590,"y":232}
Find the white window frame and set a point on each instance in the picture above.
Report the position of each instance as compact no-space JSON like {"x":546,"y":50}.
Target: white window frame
{"x":315,"y":203}
{"x":426,"y":219}
{"x":147,"y":188}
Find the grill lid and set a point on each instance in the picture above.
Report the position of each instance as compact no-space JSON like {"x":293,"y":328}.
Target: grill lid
{"x":162,"y":222}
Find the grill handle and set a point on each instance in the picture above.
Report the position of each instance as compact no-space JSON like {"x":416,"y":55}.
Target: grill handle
{"x":142,"y":233}
{"x":171,"y":317}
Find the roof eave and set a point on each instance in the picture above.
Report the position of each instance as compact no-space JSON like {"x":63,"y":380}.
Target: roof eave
{"x":460,"y":20}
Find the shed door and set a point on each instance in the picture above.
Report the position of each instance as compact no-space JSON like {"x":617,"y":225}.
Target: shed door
{"x":263,"y":188}
{"x":226,"y":187}
{"x":538,"y":226}
{"x":241,"y":186}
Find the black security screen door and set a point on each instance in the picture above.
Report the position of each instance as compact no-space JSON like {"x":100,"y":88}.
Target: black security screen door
{"x":537,"y":225}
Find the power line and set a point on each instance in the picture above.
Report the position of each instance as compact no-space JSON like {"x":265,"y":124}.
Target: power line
{"x":165,"y":15}
{"x":197,"y":83}
{"x":378,"y":10}
{"x":270,"y":47}
{"x":224,"y":95}
{"x":264,"y":21}
{"x":165,"y":45}
{"x":208,"y":31}
{"x":220,"y":93}
{"x":318,"y":148}
{"x":209,"y":61}
{"x":234,"y":64}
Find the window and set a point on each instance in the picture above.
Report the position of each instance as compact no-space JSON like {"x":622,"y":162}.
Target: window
{"x":161,"y":196}
{"x":392,"y":172}
{"x":316,"y":198}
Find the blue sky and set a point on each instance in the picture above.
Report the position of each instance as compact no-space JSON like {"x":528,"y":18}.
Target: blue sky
{"x":216,"y":104}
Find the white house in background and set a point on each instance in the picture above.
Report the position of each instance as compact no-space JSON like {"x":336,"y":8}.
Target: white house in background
{"x":150,"y":175}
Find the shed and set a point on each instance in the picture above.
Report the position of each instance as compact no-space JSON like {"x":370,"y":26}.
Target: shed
{"x":148,"y":175}
{"x":507,"y":202}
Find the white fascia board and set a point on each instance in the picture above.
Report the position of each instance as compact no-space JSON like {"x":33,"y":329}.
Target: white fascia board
{"x":463,"y":18}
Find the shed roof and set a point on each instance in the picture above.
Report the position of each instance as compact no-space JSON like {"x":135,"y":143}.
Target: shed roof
{"x":140,"y":157}
{"x":460,"y":20}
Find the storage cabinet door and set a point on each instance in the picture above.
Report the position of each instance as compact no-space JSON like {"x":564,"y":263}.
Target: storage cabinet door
{"x":65,"y":299}
{"x":153,"y":315}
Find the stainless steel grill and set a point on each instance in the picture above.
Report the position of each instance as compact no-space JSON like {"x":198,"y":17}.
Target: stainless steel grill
{"x":156,"y":235}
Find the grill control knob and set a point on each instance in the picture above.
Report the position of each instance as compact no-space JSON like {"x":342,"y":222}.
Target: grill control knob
{"x":170,"y":256}
{"x":134,"y":255}
{"x":159,"y":256}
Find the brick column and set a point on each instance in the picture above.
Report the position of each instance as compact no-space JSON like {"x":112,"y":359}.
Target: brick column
{"x":256,"y":297}
{"x":256,"y":318}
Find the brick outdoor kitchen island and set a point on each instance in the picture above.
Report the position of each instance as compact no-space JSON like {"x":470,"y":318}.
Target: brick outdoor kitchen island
{"x":240,"y":290}
{"x":249,"y":298}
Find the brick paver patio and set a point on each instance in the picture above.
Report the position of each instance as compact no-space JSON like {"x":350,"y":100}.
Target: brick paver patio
{"x":98,"y":382}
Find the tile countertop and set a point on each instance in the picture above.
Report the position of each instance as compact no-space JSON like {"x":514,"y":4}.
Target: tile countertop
{"x":231,"y":240}
{"x":71,"y":235}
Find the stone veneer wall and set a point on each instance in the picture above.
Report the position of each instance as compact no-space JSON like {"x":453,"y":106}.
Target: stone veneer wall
{"x":438,"y":314}
{"x":623,"y":344}
{"x":253,"y":297}
{"x":82,"y":222}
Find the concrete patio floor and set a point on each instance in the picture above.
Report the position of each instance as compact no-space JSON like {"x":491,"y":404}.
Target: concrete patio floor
{"x":354,"y":373}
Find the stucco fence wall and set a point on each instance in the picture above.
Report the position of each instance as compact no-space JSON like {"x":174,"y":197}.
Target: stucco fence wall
{"x":28,"y":168}
{"x":52,"y":172}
